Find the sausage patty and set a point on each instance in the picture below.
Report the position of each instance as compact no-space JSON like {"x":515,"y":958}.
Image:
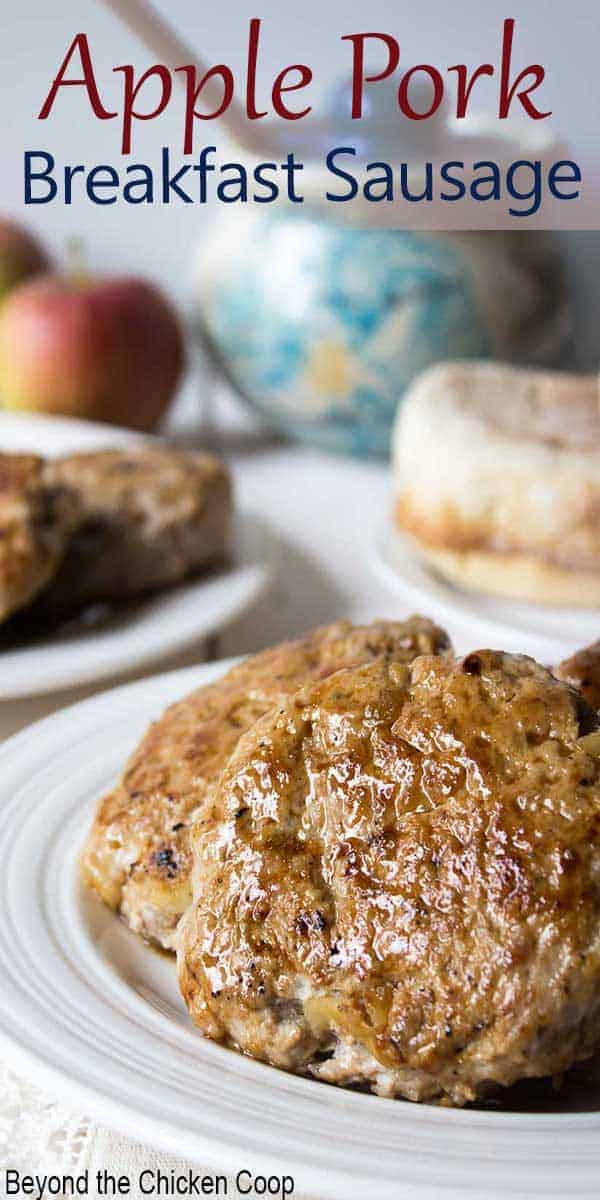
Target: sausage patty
{"x":400,"y":884}
{"x":37,"y":513}
{"x":137,"y":857}
{"x":146,"y":519}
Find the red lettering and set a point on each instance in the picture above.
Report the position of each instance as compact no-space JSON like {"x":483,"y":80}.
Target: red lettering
{"x":130,"y":94}
{"x":438,"y":93}
{"x":465,"y":85}
{"x":79,"y":43}
{"x":358,"y":77}
{"x":507,"y":93}
{"x":194,"y":91}
{"x":280,"y":86}
{"x":252,"y":112}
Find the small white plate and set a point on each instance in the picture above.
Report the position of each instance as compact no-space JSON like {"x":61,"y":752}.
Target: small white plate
{"x":145,"y":631}
{"x":474,"y":619}
{"x":92,"y":1014}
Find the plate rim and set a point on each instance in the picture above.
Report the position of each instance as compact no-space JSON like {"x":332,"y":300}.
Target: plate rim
{"x":60,"y":727}
{"x":542,"y":646}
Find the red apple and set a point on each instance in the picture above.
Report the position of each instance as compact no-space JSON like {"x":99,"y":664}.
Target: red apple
{"x":108,"y":349}
{"x":20,"y":256}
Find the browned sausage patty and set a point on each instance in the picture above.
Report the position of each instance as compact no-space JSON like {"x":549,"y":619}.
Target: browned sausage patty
{"x":582,"y":671}
{"x":37,"y":514}
{"x":137,"y":857}
{"x":399,"y":887}
{"x":146,"y":519}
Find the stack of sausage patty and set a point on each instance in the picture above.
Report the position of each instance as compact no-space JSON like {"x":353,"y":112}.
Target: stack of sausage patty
{"x":379,"y":864}
{"x":106,"y":526}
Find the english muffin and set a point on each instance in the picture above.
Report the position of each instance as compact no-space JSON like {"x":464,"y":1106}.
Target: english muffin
{"x":497,"y":480}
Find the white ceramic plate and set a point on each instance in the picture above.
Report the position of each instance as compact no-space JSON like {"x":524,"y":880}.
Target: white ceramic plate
{"x":92,"y":1014}
{"x":148,"y":630}
{"x":50,"y":436}
{"x":548,"y":634}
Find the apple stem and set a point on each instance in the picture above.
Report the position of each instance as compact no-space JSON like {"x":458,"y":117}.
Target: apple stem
{"x":76,"y":259}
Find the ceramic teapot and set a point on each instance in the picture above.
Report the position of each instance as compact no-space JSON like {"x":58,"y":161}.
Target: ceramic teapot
{"x":321,"y":316}
{"x":321,"y":326}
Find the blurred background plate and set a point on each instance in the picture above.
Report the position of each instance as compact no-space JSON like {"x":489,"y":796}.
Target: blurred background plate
{"x":51,"y":436}
{"x":548,"y":634}
{"x":143,"y":632}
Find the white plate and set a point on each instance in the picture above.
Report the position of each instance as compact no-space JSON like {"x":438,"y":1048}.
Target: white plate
{"x":146,"y":631}
{"x":92,"y":1014}
{"x":548,"y":634}
{"x":51,"y":436}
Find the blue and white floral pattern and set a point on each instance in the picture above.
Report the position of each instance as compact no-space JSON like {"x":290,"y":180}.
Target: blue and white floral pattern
{"x":323,"y":327}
